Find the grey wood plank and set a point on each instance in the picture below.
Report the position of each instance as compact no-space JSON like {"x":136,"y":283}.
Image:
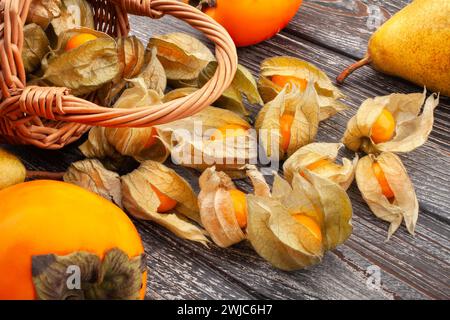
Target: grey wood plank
{"x":343,"y":25}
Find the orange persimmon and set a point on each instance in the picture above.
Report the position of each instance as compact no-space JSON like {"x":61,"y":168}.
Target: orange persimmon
{"x":78,"y":40}
{"x":252,"y":21}
{"x":240,"y":206}
{"x":165,"y":202}
{"x":384,"y":184}
{"x":48,"y":217}
{"x":384,"y":127}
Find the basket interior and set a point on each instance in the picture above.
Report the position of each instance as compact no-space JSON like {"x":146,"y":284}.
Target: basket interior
{"x":17,"y":127}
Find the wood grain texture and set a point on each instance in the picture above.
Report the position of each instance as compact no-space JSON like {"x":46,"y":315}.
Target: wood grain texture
{"x":330,"y":34}
{"x":344,"y":26}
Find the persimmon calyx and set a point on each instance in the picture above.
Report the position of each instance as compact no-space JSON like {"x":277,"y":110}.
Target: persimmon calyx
{"x":83,"y":276}
{"x":203,"y":4}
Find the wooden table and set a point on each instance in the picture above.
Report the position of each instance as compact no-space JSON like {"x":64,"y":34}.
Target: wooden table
{"x":330,"y":34}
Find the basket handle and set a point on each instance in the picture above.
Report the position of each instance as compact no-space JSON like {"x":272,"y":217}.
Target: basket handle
{"x":60,"y":105}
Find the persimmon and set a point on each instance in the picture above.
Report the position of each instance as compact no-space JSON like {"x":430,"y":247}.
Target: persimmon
{"x":47,"y":217}
{"x":153,"y":138}
{"x":310,"y":224}
{"x":239,"y":200}
{"x":251,"y":21}
{"x":165,"y":202}
{"x":230,"y":130}
{"x":384,"y":184}
{"x":286,"y":121}
{"x":78,"y":40}
{"x":384,"y":127}
{"x":294,"y":81}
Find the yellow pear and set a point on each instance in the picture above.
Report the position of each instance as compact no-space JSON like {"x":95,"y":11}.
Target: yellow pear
{"x":414,"y":44}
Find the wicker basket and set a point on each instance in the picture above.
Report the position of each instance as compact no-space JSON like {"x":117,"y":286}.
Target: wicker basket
{"x":50,"y":118}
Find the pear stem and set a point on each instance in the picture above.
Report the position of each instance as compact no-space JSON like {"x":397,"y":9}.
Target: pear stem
{"x":44,"y":175}
{"x":344,"y":74}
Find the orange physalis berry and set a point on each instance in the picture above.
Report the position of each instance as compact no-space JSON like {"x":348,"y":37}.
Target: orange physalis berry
{"x":166,"y":203}
{"x":294,"y":81}
{"x":379,"y":174}
{"x":310,"y":224}
{"x":79,"y":40}
{"x":240,"y":206}
{"x":230,"y":130}
{"x":384,"y":127}
{"x":286,"y":121}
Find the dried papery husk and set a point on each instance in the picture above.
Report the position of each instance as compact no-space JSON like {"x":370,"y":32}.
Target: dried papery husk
{"x":97,"y":146}
{"x":314,"y":153}
{"x":299,"y":196}
{"x":327,"y":93}
{"x":86,"y":68}
{"x":74,"y":14}
{"x":302,"y":106}
{"x":278,"y":238}
{"x":132,"y":60}
{"x":190,"y":145}
{"x":336,"y":207}
{"x":216,"y":205}
{"x":42,"y":12}
{"x":320,"y":199}
{"x":153,"y":74}
{"x":260,"y":186}
{"x":209,"y":118}
{"x":404,"y":205}
{"x":35,"y":47}
{"x":182,"y":56}
{"x":59,"y":48}
{"x":244,"y":84}
{"x":63,"y":38}
{"x":134,"y":141}
{"x":285,"y":242}
{"x":230,"y":154}
{"x":90,"y":174}
{"x":132,"y":55}
{"x":12,"y":170}
{"x":178,"y":93}
{"x":142,"y":202}
{"x":412,"y":128}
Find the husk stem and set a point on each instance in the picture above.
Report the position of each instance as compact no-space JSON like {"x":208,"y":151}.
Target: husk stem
{"x":44,"y":175}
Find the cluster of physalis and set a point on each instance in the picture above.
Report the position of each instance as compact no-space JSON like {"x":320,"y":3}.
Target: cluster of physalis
{"x":382,"y":127}
{"x":306,"y":213}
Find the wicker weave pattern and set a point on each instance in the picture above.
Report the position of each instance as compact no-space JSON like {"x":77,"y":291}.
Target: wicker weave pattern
{"x":51,"y":117}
